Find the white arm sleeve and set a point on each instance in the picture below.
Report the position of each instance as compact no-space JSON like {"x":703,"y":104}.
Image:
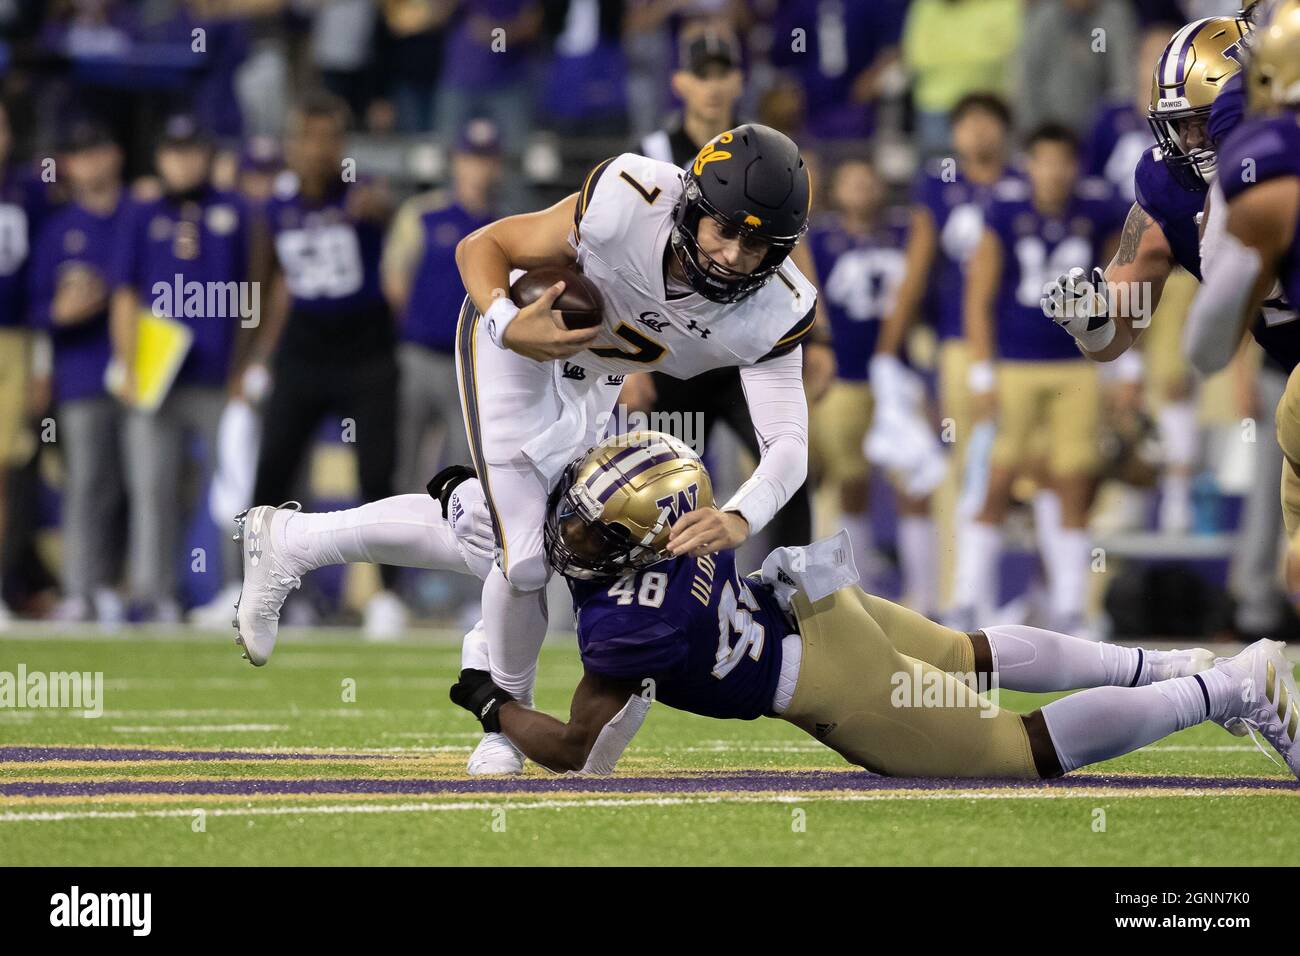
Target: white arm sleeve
{"x":616,"y":735}
{"x":779,"y":410}
{"x":1214,"y":324}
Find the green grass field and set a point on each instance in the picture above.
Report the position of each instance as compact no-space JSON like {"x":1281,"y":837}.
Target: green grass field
{"x":199,"y":759}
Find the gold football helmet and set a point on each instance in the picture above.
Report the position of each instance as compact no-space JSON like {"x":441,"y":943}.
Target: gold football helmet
{"x":1188,"y":76}
{"x":1273,"y":74}
{"x":613,"y":507}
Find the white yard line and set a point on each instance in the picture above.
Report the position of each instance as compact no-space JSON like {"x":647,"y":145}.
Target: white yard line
{"x":42,"y":816}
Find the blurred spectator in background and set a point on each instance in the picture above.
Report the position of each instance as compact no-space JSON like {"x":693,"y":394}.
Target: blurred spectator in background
{"x":487,"y":69}
{"x":955,"y":47}
{"x":1076,"y":54}
{"x":192,"y":234}
{"x":70,"y":270}
{"x":424,"y":289}
{"x":1121,"y":133}
{"x":342,"y":34}
{"x":259,"y":164}
{"x":709,"y":83}
{"x":586,"y":75}
{"x":839,"y":51}
{"x":857,"y":253}
{"x":413,"y":52}
{"x":328,"y":328}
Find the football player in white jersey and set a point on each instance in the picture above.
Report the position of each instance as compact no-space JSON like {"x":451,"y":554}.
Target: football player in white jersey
{"x":693,"y":269}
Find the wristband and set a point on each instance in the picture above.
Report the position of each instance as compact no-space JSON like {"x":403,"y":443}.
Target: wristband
{"x":1094,"y":340}
{"x":499,"y":315}
{"x":980,"y":377}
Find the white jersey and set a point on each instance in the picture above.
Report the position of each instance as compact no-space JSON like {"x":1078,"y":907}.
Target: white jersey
{"x":623,"y":224}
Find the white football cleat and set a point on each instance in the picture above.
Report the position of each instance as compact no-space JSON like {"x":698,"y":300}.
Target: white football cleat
{"x":495,"y":754}
{"x":1166,"y":665}
{"x":269,"y":576}
{"x":385,"y":617}
{"x":1265,"y":699}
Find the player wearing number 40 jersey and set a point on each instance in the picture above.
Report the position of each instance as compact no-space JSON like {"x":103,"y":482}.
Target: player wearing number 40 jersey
{"x":881,"y":685}
{"x":693,"y":270}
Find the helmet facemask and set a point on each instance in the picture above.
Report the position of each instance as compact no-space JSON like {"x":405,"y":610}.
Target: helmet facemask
{"x":1192,"y":167}
{"x":579,"y":544}
{"x":710,"y":278}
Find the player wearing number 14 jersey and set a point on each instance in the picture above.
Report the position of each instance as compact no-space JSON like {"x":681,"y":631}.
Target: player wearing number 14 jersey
{"x":1041,"y":393}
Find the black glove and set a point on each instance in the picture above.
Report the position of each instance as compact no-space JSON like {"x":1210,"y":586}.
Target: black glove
{"x":444,"y":483}
{"x":482,"y":698}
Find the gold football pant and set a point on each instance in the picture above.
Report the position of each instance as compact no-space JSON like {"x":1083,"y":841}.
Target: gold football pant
{"x":868,"y":680}
{"x":1288,"y":437}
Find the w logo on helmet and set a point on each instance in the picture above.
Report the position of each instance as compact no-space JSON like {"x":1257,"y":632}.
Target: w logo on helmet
{"x":711,"y":154}
{"x":679,"y":503}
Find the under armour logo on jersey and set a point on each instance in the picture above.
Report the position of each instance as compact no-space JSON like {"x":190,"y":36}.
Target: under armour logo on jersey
{"x":699,"y":330}
{"x":657,"y":326}
{"x":575,"y":372}
{"x":613,"y":379}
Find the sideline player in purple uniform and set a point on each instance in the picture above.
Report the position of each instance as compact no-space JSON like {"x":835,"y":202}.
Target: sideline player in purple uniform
{"x":1036,"y":383}
{"x":858,"y":260}
{"x":329,"y":327}
{"x":69,"y":290}
{"x":803,"y":643}
{"x":1260,"y":179}
{"x":184,"y":255}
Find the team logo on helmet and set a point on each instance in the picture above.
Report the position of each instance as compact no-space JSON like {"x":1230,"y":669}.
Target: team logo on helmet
{"x":711,"y":154}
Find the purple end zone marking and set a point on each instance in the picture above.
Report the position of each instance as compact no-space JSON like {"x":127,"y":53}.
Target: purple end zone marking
{"x":694,"y":783}
{"x":39,"y":754}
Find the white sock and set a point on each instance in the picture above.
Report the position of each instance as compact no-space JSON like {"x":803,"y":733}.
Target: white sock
{"x":1177,"y":422}
{"x":917,"y":547}
{"x":407,"y":531}
{"x":1033,"y":659}
{"x":1068,"y":557}
{"x":515,"y":623}
{"x":1047,"y":525}
{"x":1107,"y":722}
{"x":474,"y":650}
{"x":976,"y":580}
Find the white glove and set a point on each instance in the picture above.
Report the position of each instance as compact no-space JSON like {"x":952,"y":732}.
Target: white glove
{"x":903,"y":443}
{"x":1074,"y":300}
{"x":894,"y":385}
{"x":471,"y":522}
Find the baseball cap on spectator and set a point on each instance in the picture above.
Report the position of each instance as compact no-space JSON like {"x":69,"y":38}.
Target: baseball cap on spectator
{"x":83,"y":132}
{"x":260,"y":154}
{"x":183,"y":129}
{"x":699,"y":51}
{"x":479,"y":137}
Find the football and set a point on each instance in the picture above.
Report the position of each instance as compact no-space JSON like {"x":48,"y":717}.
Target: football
{"x":579,"y":304}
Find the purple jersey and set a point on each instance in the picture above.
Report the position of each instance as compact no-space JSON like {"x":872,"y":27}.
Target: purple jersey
{"x":474,"y":58}
{"x":1173,"y":206}
{"x":75,"y":241}
{"x":858,"y":277}
{"x":1270,"y":148}
{"x":1036,"y":248}
{"x":709,"y":639}
{"x":436,"y":288}
{"x":956,"y":206}
{"x":1227,"y":109}
{"x":1119,"y":137}
{"x":20,"y":206}
{"x":330,"y":261}
{"x":203,"y":240}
